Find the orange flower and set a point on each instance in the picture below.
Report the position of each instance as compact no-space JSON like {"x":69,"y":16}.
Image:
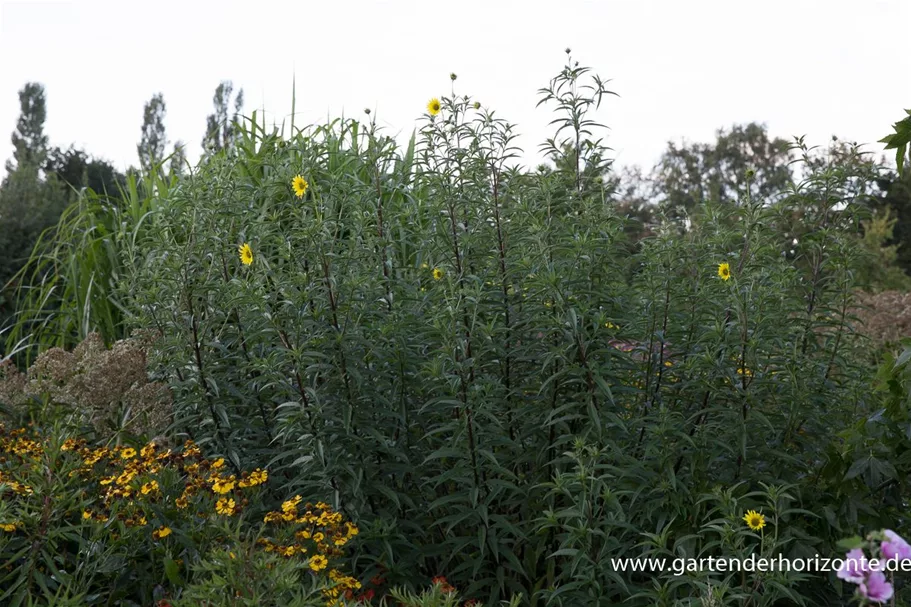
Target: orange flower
{"x":444,"y":585}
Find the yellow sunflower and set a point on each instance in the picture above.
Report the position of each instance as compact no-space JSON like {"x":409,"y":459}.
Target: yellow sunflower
{"x":300,"y":186}
{"x":437,"y":273}
{"x":433,"y":106}
{"x":246,"y":254}
{"x":754,"y":520}
{"x":161,"y":533}
{"x":724,"y":270}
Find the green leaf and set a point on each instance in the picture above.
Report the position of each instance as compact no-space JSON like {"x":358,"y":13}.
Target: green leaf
{"x":850,"y":543}
{"x":172,"y":571}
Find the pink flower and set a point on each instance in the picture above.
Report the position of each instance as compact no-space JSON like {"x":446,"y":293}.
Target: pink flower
{"x":854,"y":567}
{"x":875,"y":587}
{"x":895,"y":546}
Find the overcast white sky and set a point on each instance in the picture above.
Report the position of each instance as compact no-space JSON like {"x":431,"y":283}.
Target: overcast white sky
{"x":682,"y":68}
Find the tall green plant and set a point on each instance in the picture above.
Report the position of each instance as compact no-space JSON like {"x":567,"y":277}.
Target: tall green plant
{"x":471,"y":360}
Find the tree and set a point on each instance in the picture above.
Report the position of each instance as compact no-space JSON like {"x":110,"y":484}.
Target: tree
{"x":178,"y":159}
{"x":895,"y":196}
{"x":153,"y":141}
{"x":77,"y":169}
{"x":633,"y":197}
{"x":220,"y":133}
{"x":881,"y":270}
{"x":690,"y":174}
{"x":29,"y":140}
{"x":29,"y":204}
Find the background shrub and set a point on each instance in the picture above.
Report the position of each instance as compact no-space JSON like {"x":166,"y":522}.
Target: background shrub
{"x":107,"y":388}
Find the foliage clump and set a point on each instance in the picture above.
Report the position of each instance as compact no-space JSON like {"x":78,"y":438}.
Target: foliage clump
{"x":500,"y":374}
{"x":481,"y":367}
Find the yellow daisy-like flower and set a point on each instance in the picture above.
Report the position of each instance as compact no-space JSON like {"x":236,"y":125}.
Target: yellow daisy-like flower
{"x":128,"y":453}
{"x":161,"y":533}
{"x":86,"y":515}
{"x":223,"y":485}
{"x":437,"y":273}
{"x":318,"y":562}
{"x":10,"y":527}
{"x":149,"y":487}
{"x":257,"y":477}
{"x":291,"y":504}
{"x":433,"y":106}
{"x":225,"y":506}
{"x":246,"y":254}
{"x":300,"y":186}
{"x":724,"y":270}
{"x":754,"y":520}
{"x":289,"y":551}
{"x":218,"y":463}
